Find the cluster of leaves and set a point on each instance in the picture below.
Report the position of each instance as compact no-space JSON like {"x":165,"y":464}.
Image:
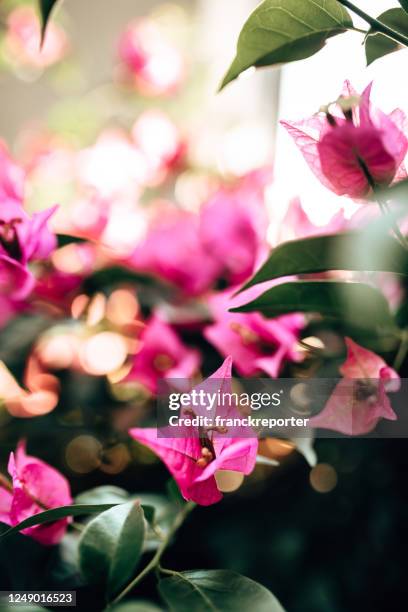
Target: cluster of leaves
{"x":280,"y":32}
{"x":354,"y":303}
{"x":110,"y":550}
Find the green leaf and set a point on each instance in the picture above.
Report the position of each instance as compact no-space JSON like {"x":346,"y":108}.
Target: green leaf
{"x":404,"y":4}
{"x":364,"y":251}
{"x":136,"y":606}
{"x":378,"y":45}
{"x":111,"y":546}
{"x":57,"y":513}
{"x":278,"y":32}
{"x":115,"y":275}
{"x":174,"y":494}
{"x":64,"y":239}
{"x":152,"y":504}
{"x":46,"y":7}
{"x":216,"y":591}
{"x":106,"y":494}
{"x":355,"y":303}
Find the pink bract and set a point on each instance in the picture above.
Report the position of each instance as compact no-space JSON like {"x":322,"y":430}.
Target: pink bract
{"x":36,"y":487}
{"x":182,"y":455}
{"x":351,"y":152}
{"x":173,"y":251}
{"x":162,"y":356}
{"x":22,"y":239}
{"x":255,"y":343}
{"x":355,"y":409}
{"x":233,"y":226}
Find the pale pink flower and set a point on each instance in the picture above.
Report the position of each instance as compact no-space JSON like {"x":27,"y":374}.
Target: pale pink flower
{"x":23,"y":39}
{"x":162,"y":356}
{"x":124,"y":176}
{"x":297,"y":224}
{"x":156,"y":65}
{"x":360,"y":399}
{"x":194,"y":459}
{"x":256,"y":344}
{"x":35,"y":487}
{"x":352,"y":152}
{"x":233,"y":226}
{"x":23,"y":239}
{"x":160,"y":142}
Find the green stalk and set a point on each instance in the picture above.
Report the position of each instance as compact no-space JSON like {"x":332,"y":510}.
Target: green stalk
{"x":382,"y":204}
{"x":6,"y":483}
{"x":402,"y":351}
{"x":155,"y":560}
{"x":375,"y":24}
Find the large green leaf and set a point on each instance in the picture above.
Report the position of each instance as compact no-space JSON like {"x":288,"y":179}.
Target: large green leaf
{"x":363,"y":251}
{"x":355,"y":303}
{"x":111,"y":546}
{"x":57,"y":513}
{"x":378,"y":45}
{"x":216,"y":591}
{"x":46,"y":7}
{"x":284,"y":31}
{"x":404,"y":4}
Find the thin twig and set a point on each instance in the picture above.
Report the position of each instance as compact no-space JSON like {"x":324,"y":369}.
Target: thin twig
{"x":375,"y":24}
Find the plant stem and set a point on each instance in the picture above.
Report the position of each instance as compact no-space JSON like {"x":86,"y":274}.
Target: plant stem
{"x":359,"y":30}
{"x":77,"y":526}
{"x":394,"y":225}
{"x":6,"y":483}
{"x":154,"y":562}
{"x":402,"y":351}
{"x":382,"y":204}
{"x":375,"y":24}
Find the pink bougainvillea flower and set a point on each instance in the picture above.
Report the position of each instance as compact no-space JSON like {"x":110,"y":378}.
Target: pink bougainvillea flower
{"x":195,"y":459}
{"x":162,"y":356}
{"x":173,"y":251}
{"x":155,"y":64}
{"x":356,"y":406}
{"x":22,"y":239}
{"x":35,"y":487}
{"x":233,"y":226}
{"x":12,"y":178}
{"x":56,"y":288}
{"x":225,"y":240}
{"x":23,"y":40}
{"x":353,"y":147}
{"x":255,"y":343}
